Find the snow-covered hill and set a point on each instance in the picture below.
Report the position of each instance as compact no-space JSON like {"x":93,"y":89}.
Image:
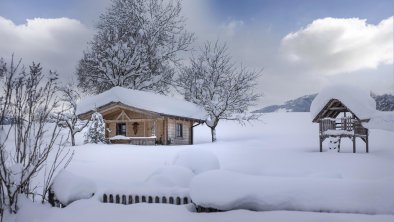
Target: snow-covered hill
{"x":282,"y":145}
{"x":384,"y":102}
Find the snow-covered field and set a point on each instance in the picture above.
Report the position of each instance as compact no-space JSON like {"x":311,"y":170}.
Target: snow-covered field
{"x":282,"y":145}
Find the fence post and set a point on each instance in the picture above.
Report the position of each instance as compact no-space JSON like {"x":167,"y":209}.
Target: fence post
{"x":178,"y":200}
{"x":124,"y":199}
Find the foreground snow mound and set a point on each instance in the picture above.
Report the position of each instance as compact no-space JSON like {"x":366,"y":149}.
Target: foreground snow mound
{"x":69,"y":187}
{"x":225,"y":190}
{"x":197,"y":161}
{"x":357,"y":100}
{"x":171,"y":176}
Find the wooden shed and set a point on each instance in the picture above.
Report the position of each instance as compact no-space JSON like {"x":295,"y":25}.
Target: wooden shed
{"x":139,"y":118}
{"x":341,"y":113}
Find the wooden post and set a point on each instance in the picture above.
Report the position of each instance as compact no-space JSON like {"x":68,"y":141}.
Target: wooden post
{"x":366,"y":144}
{"x":144,"y":128}
{"x":178,"y":201}
{"x":321,"y":144}
{"x":354,"y":144}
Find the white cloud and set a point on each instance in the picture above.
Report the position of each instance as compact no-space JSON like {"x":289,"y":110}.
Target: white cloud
{"x":333,"y":46}
{"x":56,"y":43}
{"x":231,"y":27}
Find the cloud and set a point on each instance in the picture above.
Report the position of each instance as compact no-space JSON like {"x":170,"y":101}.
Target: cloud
{"x":56,"y":43}
{"x":231,"y":27}
{"x":333,"y":46}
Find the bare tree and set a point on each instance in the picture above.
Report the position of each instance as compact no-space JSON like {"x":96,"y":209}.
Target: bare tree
{"x":33,"y":135}
{"x":68,"y":115}
{"x":217,"y":84}
{"x":136,"y":46}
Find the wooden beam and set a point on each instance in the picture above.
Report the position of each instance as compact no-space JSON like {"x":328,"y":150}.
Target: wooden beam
{"x":341,"y":109}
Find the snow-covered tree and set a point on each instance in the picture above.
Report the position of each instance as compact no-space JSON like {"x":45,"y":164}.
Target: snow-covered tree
{"x":29,"y":97}
{"x":68,"y":115}
{"x":216,"y":83}
{"x":96,"y":129}
{"x":136,"y":46}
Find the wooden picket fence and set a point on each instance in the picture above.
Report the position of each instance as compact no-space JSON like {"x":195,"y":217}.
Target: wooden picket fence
{"x":132,"y":199}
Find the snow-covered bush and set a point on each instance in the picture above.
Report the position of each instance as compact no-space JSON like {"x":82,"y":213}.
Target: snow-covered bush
{"x":171,"y":176}
{"x":96,"y":129}
{"x":28,"y":96}
{"x":197,"y":161}
{"x":69,"y":187}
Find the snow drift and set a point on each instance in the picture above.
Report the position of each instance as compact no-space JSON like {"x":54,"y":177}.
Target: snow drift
{"x":171,"y":176}
{"x":197,"y":161}
{"x":225,"y":190}
{"x":69,"y":187}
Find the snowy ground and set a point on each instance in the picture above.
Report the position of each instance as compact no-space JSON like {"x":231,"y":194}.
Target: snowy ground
{"x":281,"y":145}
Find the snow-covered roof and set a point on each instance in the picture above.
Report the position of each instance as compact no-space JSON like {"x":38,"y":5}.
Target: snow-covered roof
{"x":143,"y":100}
{"x":357,"y":100}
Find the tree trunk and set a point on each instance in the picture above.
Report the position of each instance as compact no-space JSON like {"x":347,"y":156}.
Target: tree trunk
{"x":213,"y":134}
{"x":72,"y":139}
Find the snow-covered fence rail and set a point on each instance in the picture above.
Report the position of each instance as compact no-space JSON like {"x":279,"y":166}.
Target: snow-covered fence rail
{"x":133,"y":199}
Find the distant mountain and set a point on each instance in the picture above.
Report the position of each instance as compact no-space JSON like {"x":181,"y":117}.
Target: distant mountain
{"x":384,"y":102}
{"x":302,"y":104}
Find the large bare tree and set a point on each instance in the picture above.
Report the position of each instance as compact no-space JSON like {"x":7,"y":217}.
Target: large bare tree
{"x":137,"y":46}
{"x":224,"y":89}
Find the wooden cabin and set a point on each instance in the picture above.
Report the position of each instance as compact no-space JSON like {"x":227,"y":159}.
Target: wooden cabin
{"x":139,"y":118}
{"x":337,"y":121}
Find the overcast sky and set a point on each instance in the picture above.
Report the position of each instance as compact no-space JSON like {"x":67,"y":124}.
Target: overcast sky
{"x":301,"y":45}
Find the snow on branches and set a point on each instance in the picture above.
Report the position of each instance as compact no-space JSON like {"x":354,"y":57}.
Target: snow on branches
{"x":217,"y":84}
{"x":96,"y":129}
{"x":136,"y":47}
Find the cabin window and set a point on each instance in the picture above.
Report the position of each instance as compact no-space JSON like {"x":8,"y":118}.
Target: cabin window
{"x":121,"y":129}
{"x":179,"y":130}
